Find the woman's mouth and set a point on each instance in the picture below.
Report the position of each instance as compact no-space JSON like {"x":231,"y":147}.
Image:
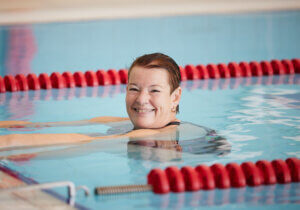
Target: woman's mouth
{"x":143,"y":111}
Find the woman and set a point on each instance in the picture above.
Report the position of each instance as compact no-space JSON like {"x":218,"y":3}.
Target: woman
{"x":152,"y":101}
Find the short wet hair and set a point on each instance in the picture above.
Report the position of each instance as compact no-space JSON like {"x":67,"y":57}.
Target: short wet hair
{"x":159,"y":60}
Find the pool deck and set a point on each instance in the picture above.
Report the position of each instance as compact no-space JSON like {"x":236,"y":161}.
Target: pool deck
{"x":35,"y":11}
{"x":30,"y":200}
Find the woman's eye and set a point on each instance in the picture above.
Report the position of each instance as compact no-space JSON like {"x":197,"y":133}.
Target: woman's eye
{"x":133,"y":89}
{"x":155,"y":91}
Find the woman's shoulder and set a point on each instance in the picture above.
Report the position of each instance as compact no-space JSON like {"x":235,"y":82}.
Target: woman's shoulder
{"x":121,"y":127}
{"x":199,"y":139}
{"x":190,"y":130}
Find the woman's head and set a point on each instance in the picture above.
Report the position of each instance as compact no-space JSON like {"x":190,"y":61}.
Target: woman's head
{"x":153,"y":91}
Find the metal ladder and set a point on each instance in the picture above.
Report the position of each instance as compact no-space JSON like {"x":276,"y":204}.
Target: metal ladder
{"x":70,"y":185}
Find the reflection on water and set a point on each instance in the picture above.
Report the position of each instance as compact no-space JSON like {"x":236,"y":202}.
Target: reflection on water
{"x":165,"y":146}
{"x":171,"y":150}
{"x":268,"y":106}
{"x":265,"y":118}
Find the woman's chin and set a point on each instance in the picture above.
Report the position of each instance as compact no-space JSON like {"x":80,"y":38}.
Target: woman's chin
{"x":144,"y":124}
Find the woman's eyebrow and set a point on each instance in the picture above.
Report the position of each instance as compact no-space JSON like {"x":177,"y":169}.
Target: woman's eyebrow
{"x":157,"y":85}
{"x":132,"y":84}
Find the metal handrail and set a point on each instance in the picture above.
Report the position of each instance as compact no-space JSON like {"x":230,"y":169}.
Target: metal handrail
{"x":70,"y":185}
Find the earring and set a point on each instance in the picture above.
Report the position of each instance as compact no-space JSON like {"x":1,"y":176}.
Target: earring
{"x":173,"y":109}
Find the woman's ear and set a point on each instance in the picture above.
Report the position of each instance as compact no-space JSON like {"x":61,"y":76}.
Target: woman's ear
{"x":176,"y":95}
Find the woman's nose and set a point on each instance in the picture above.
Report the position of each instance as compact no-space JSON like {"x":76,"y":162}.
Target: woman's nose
{"x":143,"y":97}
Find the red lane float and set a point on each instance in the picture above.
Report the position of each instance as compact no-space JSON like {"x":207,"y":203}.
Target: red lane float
{"x":236,"y":175}
{"x":175,"y":178}
{"x":191,"y":72}
{"x":33,"y":82}
{"x":57,"y":80}
{"x":266,"y":68}
{"x":267,"y":172}
{"x":159,"y":181}
{"x":252,"y":174}
{"x":246,"y":69}
{"x":103,"y":78}
{"x":224,"y":70}
{"x":69,"y":79}
{"x":294,"y":166}
{"x":213,"y":71}
{"x":10,"y":83}
{"x":277,"y":67}
{"x":235,"y":70}
{"x":282,"y":171}
{"x":288,"y":66}
{"x":2,"y":85}
{"x":112,"y":77}
{"x":256,"y":69}
{"x":232,"y":175}
{"x":191,"y":180}
{"x":45,"y":81}
{"x":79,"y":79}
{"x":203,"y":71}
{"x":206,"y":177}
{"x":123,"y":73}
{"x":91,"y":78}
{"x":296,"y":63}
{"x":22,"y":82}
{"x":221,"y":176}
{"x":183,"y":73}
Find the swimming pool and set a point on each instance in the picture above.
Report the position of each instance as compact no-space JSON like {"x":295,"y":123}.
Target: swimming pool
{"x":258,"y":116}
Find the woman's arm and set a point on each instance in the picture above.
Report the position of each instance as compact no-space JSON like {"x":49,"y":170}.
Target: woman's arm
{"x":9,"y":124}
{"x":36,"y":139}
{"x":107,"y":120}
{"x":101,"y":120}
{"x":19,"y":140}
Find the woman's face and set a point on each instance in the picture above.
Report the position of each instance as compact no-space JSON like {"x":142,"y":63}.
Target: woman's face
{"x":149,"y":102}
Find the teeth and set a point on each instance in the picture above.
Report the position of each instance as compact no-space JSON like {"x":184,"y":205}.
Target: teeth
{"x":143,"y":110}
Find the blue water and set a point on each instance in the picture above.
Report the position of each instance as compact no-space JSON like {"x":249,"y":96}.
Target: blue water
{"x":259,"y":117}
{"x":260,"y":121}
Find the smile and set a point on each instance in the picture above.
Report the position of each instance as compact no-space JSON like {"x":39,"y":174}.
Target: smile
{"x":143,"y":110}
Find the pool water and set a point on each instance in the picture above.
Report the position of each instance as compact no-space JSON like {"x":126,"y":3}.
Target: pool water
{"x":259,"y":117}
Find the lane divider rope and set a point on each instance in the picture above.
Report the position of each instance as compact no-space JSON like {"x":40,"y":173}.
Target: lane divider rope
{"x":173,"y":179}
{"x":90,"y":78}
{"x":22,"y":97}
